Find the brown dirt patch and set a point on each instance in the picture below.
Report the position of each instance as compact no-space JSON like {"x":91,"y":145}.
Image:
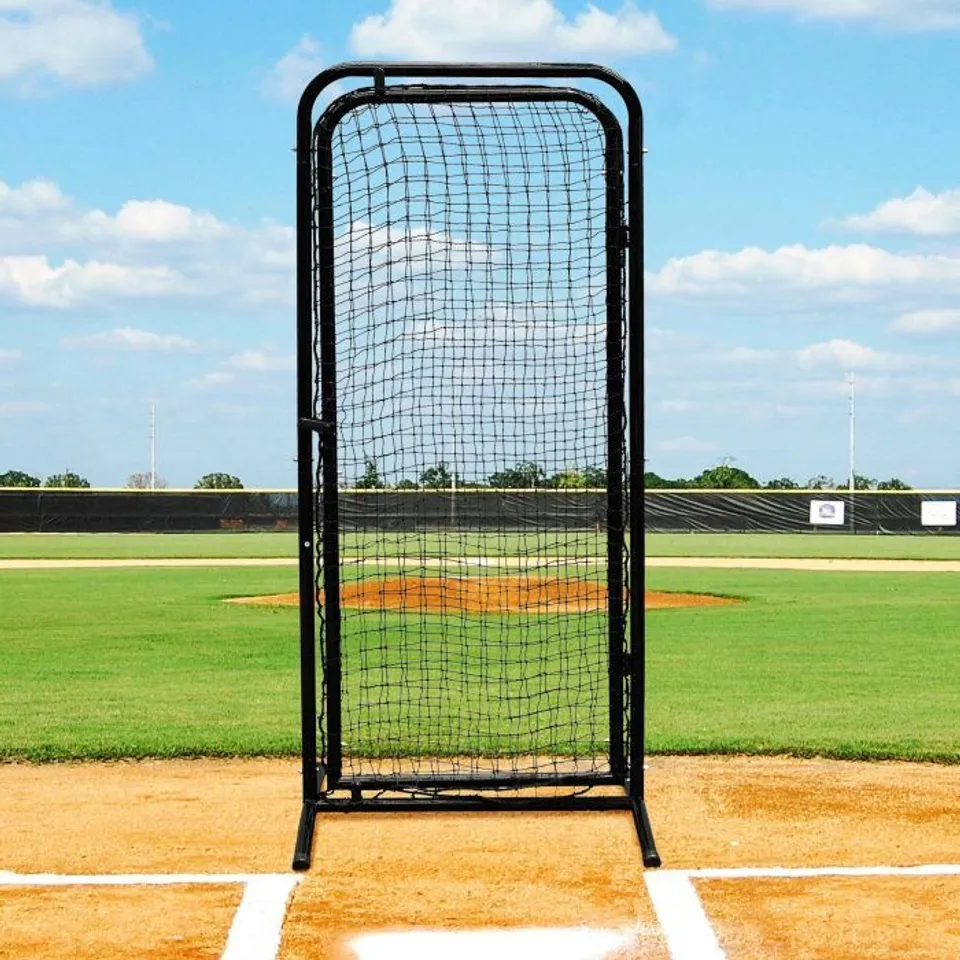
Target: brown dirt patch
{"x":116,"y":923}
{"x":462,"y":871}
{"x":883,"y":918}
{"x":486,"y":595}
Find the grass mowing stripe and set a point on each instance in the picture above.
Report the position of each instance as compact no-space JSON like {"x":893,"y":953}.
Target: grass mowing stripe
{"x":130,"y":663}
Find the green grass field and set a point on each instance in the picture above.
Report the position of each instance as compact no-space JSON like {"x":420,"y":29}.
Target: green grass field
{"x":134,"y":663}
{"x":269,"y":545}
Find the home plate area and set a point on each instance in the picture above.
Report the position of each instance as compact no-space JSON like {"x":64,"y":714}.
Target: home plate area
{"x":133,"y":860}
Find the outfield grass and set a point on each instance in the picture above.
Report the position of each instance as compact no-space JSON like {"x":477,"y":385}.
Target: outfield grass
{"x":133,"y":663}
{"x":547,"y":543}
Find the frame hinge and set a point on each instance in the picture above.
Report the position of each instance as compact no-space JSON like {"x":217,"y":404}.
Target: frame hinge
{"x":318,"y":426}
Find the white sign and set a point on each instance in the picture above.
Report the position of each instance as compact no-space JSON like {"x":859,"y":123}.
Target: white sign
{"x":938,"y":513}
{"x":827,"y":513}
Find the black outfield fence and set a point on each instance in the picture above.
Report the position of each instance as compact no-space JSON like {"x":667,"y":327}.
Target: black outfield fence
{"x":162,"y":511}
{"x":673,"y":511}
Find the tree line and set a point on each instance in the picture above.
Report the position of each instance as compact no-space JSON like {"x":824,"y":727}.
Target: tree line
{"x":527,"y":475}
{"x":727,"y":477}
{"x":136,"y":481}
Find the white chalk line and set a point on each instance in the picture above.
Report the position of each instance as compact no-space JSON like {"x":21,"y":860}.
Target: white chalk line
{"x":257,"y":924}
{"x":799,"y":873}
{"x":681,"y":916}
{"x":684,"y":921}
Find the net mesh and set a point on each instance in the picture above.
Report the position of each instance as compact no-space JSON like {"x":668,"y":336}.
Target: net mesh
{"x":470,"y":246}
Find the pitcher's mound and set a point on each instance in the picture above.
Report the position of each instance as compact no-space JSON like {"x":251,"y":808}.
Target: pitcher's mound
{"x":517,"y":594}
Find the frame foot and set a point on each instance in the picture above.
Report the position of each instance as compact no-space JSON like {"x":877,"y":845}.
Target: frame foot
{"x":648,"y":847}
{"x":303,"y":851}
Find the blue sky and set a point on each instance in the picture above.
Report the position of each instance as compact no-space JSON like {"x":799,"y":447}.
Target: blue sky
{"x":803,"y":221}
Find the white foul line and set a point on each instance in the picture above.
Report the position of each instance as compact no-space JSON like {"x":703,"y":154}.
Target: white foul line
{"x":257,"y":925}
{"x":762,"y":873}
{"x":684,"y":923}
{"x":125,"y":879}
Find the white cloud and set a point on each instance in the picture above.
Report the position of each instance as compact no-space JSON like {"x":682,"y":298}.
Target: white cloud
{"x":257,"y":361}
{"x":853,"y":356}
{"x":10,"y":356}
{"x":158,"y":221}
{"x":795,"y":277}
{"x":907,"y":15}
{"x":129,"y":338}
{"x":31,"y":197}
{"x":927,"y":321}
{"x":38,"y":213}
{"x":73,"y":42}
{"x":213,"y":381}
{"x":506,"y":30}
{"x":149,"y":249}
{"x":685,"y":444}
{"x":745,"y":355}
{"x":678,"y":406}
{"x":293,"y":71}
{"x":34,"y":282}
{"x":241,"y":366}
{"x":15,"y":408}
{"x":922,"y":213}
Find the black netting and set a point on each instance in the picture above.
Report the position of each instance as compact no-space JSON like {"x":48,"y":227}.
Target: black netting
{"x":472,"y":245}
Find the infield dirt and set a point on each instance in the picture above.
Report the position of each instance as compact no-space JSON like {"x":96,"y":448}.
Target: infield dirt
{"x":376,"y":872}
{"x":493,"y":595}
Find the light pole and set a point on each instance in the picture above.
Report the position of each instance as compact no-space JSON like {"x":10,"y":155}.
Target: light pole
{"x":852,"y":381}
{"x":153,"y":447}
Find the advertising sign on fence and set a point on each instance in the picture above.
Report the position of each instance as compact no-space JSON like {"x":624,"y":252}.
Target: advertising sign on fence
{"x":938,"y":513}
{"x":828,"y":513}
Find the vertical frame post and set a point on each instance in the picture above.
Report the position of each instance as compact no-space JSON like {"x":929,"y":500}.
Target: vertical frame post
{"x":615,"y":445}
{"x":305,"y":506}
{"x":330,"y":547}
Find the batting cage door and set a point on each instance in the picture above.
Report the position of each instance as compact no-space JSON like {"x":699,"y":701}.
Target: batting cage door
{"x":470,"y":442}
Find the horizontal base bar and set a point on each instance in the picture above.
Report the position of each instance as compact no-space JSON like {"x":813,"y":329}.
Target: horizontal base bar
{"x":461,"y":804}
{"x":504,"y":781}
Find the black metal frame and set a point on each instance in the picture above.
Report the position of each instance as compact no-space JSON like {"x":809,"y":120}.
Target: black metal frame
{"x":315,"y":264}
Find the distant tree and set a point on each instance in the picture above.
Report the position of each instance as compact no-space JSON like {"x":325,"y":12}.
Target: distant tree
{"x":821,"y":482}
{"x":893,"y":484}
{"x":569,"y":479}
{"x":66,"y":479}
{"x":218,"y":481}
{"x":17,"y":478}
{"x":407,"y":484}
{"x":724,"y":476}
{"x":595,"y":477}
{"x":525,"y":475}
{"x":141,"y":481}
{"x":860,"y":482}
{"x":371,"y":479}
{"x":782,"y":483}
{"x":439,"y":477}
{"x":653,"y":481}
